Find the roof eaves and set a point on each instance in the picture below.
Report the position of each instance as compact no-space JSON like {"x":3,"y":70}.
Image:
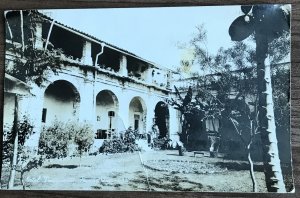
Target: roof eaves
{"x":94,"y":39}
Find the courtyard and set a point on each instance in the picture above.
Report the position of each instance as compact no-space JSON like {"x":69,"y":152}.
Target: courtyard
{"x":144,"y":171}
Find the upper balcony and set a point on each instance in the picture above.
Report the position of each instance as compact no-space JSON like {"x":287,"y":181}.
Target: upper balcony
{"x":86,"y":50}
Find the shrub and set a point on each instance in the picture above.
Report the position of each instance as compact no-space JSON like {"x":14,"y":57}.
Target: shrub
{"x":7,"y":143}
{"x":113,"y":146}
{"x":121,"y":145}
{"x":24,"y":129}
{"x":26,"y":162}
{"x":26,"y":159}
{"x":161,"y":143}
{"x":84,"y":138}
{"x":54,"y":140}
{"x":57,"y":140}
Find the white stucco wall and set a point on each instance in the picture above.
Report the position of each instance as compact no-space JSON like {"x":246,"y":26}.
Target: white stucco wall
{"x":8,"y":110}
{"x":88,"y":85}
{"x":57,"y":109}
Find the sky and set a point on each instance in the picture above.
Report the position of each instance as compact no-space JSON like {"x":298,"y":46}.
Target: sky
{"x":153,"y":33}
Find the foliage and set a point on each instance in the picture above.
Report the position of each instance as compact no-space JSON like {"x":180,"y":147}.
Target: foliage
{"x":130,"y":136}
{"x":227,"y":78}
{"x":35,"y":65}
{"x":232,"y":71}
{"x":266,"y":23}
{"x":84,"y":138}
{"x":118,"y":145}
{"x":30,"y":64}
{"x":56,"y":140}
{"x":27,"y":161}
{"x":24,"y":129}
{"x":161,"y":143}
{"x":113,"y":146}
{"x":26,"y":158}
{"x":281,"y":96}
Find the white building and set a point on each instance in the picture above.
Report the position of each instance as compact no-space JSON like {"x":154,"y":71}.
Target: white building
{"x":98,"y":83}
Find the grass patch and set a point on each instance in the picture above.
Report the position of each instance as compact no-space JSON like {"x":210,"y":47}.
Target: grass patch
{"x":239,"y":166}
{"x":168,"y":183}
{"x":115,"y":174}
{"x":96,"y":187}
{"x":61,"y":166}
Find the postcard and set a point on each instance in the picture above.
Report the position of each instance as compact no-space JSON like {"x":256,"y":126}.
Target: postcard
{"x":148,"y":99}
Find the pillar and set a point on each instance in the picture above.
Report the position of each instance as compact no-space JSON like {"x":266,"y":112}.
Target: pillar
{"x":173,"y":124}
{"x":123,"y":66}
{"x":38,"y":36}
{"x":149,"y":75}
{"x":124,"y":108}
{"x":31,"y":106}
{"x":151,"y":103}
{"x":87,"y":53}
{"x":87,"y":102}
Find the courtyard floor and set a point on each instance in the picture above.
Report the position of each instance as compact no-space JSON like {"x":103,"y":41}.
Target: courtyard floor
{"x":145,"y":171}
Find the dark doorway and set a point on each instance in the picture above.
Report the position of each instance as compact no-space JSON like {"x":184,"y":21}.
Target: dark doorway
{"x":162,"y":119}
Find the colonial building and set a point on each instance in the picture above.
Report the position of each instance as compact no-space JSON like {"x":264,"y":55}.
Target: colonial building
{"x":97,"y":82}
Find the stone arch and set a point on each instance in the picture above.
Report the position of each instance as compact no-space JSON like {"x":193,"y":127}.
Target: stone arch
{"x":107,"y":107}
{"x":161,"y":113}
{"x":61,"y":102}
{"x":137,"y":114}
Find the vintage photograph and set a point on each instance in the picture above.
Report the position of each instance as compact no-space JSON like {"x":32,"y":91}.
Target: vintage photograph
{"x":148,"y":99}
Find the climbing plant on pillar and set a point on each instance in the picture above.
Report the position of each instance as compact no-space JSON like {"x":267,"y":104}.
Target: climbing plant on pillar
{"x":266,"y":23}
{"x":30,"y":62}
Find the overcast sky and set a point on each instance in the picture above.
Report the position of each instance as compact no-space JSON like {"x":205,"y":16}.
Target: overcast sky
{"x":153,"y":33}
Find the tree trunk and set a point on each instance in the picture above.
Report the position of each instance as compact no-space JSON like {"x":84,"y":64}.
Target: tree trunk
{"x":180,"y":152}
{"x":253,"y":133}
{"x":183,"y":136}
{"x":214,"y":146}
{"x":22,"y":180}
{"x":254,"y":186}
{"x":266,"y":124}
{"x":15,"y":147}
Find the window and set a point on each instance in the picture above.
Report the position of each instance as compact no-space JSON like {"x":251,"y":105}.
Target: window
{"x":104,"y":134}
{"x":136,"y":121}
{"x":101,"y":134}
{"x":44,"y":115}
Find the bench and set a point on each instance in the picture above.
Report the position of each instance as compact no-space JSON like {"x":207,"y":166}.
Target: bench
{"x":207,"y":154}
{"x":199,"y":152}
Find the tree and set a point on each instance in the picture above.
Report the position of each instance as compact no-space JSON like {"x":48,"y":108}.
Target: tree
{"x":239,"y":112}
{"x":211,"y":109}
{"x":231,"y":72}
{"x":84,"y":138}
{"x":20,"y":157}
{"x":266,"y":22}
